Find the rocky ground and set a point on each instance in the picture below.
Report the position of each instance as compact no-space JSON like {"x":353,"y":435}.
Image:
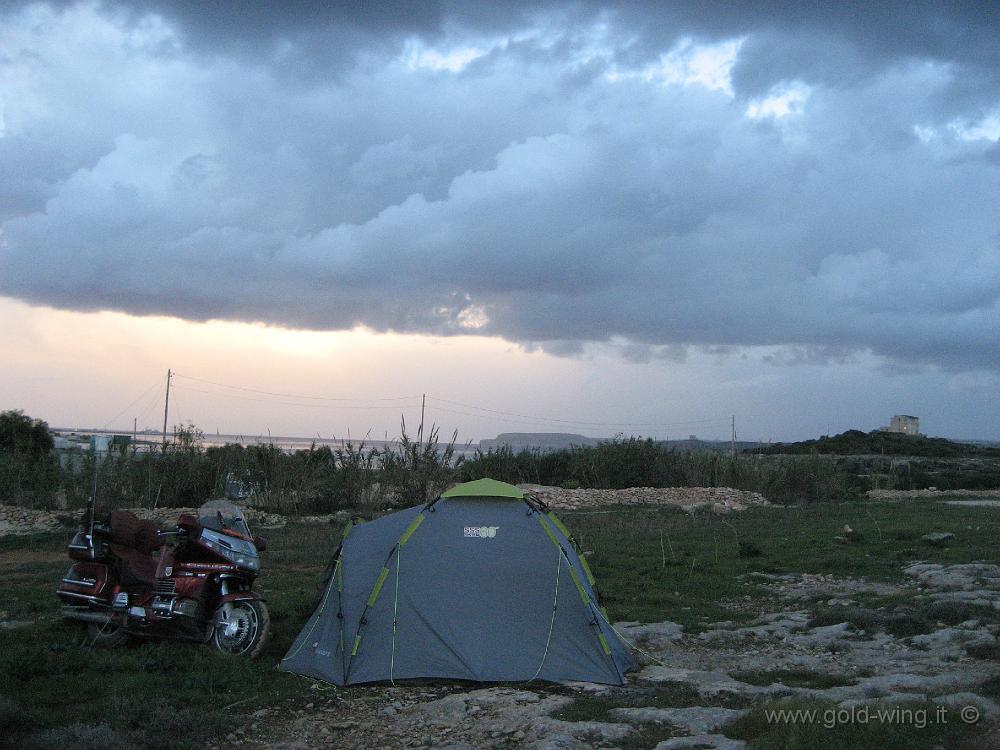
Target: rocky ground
{"x":856,"y":653}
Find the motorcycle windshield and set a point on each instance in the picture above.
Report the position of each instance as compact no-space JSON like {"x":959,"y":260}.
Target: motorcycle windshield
{"x":221,"y":515}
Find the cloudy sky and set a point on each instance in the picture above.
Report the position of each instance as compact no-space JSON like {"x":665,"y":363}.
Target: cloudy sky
{"x":578,"y":216}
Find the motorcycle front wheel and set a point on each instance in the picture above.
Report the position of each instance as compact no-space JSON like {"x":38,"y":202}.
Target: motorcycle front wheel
{"x":241,"y":628}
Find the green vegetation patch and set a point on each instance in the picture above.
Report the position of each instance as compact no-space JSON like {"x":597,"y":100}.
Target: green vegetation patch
{"x":150,"y":694}
{"x":668,"y":695}
{"x":688,"y":568}
{"x":990,"y":688}
{"x":902,"y":617}
{"x":795,"y":678}
{"x":988,"y":651}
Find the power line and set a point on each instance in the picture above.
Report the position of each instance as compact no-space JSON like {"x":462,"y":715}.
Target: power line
{"x":291,"y":395}
{"x":177,"y":408}
{"x":133,"y":403}
{"x":151,"y":404}
{"x":521,"y":421}
{"x":479,"y":411}
{"x":574,"y":421}
{"x":498,"y":418}
{"x":293,"y":403}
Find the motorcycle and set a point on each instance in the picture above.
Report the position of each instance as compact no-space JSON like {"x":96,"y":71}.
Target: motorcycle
{"x":128,"y":578}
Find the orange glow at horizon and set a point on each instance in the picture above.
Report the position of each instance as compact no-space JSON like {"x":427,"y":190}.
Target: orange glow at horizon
{"x":80,"y":369}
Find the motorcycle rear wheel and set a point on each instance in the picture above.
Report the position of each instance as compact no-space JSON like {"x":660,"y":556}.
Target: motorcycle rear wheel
{"x":106,"y":636}
{"x":242,"y":628}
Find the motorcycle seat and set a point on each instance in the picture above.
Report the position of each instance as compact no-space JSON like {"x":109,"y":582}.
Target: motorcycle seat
{"x":136,"y":569}
{"x":128,"y":530}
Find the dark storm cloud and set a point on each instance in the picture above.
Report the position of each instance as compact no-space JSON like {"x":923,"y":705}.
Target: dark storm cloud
{"x":819,"y":40}
{"x":553,"y":174}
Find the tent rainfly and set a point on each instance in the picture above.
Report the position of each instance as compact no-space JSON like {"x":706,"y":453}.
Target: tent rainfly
{"x":482,"y":584}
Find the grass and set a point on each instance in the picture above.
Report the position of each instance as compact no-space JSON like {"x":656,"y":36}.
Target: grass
{"x":689,"y":569}
{"x":151,"y":694}
{"x":901,"y":622}
{"x":669,"y":695}
{"x":794,"y":678}
{"x":990,"y":688}
{"x":986,"y":651}
{"x":56,"y":691}
{"x":902,"y":617}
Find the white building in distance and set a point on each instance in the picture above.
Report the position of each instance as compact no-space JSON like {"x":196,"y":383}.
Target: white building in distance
{"x":903,"y":424}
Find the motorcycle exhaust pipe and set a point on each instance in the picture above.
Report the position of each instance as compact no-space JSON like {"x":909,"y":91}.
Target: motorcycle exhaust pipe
{"x":69,"y":613}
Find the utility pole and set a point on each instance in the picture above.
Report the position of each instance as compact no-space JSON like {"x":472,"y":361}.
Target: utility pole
{"x":734,"y":435}
{"x":166,"y":406}
{"x":420,"y":432}
{"x":135,"y":428}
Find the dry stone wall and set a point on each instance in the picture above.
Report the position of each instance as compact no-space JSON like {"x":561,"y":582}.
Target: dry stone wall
{"x":15,"y":520}
{"x":716,"y":499}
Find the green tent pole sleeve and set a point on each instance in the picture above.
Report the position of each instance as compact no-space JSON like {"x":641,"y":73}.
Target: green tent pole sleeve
{"x":559,"y":524}
{"x":579,"y":587}
{"x":410,"y":529}
{"x":586,"y":569}
{"x":548,"y":530}
{"x":572,"y":571}
{"x":373,"y":596}
{"x":604,"y":643}
{"x":565,"y":531}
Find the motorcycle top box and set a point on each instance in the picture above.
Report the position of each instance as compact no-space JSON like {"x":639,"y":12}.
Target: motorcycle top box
{"x":128,"y":578}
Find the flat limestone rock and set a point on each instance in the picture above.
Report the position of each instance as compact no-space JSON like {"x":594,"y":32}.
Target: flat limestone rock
{"x":952,"y":639}
{"x":545,"y":728}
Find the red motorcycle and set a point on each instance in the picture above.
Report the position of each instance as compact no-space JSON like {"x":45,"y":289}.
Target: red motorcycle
{"x":128,"y":579}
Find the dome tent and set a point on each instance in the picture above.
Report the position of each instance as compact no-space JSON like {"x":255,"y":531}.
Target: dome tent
{"x":481,"y":584}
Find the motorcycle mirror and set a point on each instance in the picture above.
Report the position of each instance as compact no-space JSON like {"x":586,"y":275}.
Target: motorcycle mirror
{"x":260,"y":543}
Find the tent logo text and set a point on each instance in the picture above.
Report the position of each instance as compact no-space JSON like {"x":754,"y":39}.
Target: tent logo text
{"x":481,"y":532}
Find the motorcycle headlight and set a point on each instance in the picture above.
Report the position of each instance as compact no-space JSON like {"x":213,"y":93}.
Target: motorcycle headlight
{"x":247,"y":561}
